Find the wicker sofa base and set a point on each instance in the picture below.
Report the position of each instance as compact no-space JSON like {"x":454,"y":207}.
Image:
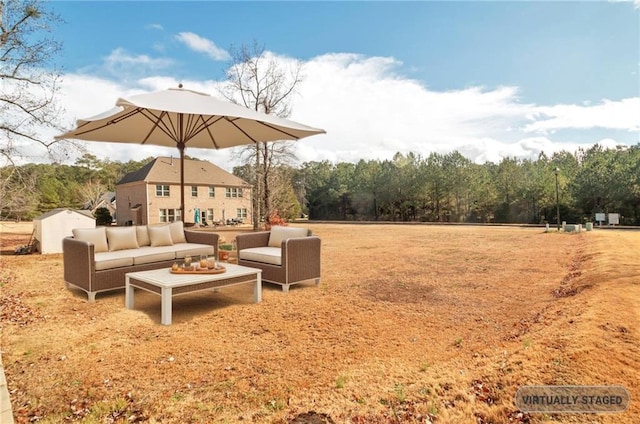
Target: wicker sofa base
{"x":276,"y":274}
{"x":113,"y":279}
{"x":80,"y":272}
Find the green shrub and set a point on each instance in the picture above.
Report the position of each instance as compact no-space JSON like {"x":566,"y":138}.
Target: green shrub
{"x":103,"y":216}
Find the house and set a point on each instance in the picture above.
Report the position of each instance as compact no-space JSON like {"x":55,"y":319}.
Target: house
{"x":51,"y":227}
{"x":107,"y":200}
{"x":151,"y":194}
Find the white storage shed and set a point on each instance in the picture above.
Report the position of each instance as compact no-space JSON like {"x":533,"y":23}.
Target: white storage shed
{"x":51,"y":227}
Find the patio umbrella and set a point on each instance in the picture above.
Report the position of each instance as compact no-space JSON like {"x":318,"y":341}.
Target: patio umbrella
{"x":181,"y":118}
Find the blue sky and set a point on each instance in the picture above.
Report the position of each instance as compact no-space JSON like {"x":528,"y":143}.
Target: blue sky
{"x":490,"y":79}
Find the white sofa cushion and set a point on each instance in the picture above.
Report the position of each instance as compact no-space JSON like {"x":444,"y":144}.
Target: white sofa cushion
{"x":97,"y":236}
{"x":177,"y":232}
{"x":268,"y":255}
{"x":192,"y":249}
{"x":279,"y":233}
{"x":109,"y":260}
{"x":121,"y":238}
{"x":160,"y":235}
{"x":148,"y":254}
{"x":142,"y":235}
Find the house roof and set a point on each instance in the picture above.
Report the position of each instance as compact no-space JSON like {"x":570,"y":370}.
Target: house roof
{"x":60,"y":210}
{"x":196,"y":172}
{"x":108,"y":198}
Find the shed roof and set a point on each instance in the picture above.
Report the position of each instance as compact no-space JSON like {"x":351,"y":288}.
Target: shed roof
{"x":60,"y":210}
{"x":167,"y":170}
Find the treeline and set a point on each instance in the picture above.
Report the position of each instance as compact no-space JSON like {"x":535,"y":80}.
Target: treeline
{"x":436,"y":188}
{"x":451,"y":188}
{"x":32,"y":189}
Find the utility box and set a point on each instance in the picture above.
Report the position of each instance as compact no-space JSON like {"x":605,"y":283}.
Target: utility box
{"x":51,"y":227}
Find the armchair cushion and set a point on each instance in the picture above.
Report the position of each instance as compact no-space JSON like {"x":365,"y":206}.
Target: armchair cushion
{"x":280,"y":233}
{"x":109,"y":260}
{"x":160,"y":235}
{"x":177,"y":232}
{"x":142,"y":235}
{"x":120,"y":238}
{"x":268,"y":255}
{"x":97,"y":236}
{"x":192,"y":249}
{"x":149,"y":255}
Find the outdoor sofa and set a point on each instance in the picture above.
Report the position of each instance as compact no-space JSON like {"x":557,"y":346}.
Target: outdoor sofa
{"x":97,"y":259}
{"x":286,"y":255}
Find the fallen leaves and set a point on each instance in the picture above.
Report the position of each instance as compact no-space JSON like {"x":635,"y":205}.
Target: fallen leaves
{"x":15,"y":311}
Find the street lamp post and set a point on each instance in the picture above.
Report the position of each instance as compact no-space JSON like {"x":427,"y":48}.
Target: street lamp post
{"x":557,"y":171}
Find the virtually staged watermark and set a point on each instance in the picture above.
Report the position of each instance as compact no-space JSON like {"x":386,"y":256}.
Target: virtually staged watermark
{"x":572,"y":399}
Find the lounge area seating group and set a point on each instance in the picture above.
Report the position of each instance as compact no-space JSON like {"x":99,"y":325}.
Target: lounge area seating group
{"x":97,"y":259}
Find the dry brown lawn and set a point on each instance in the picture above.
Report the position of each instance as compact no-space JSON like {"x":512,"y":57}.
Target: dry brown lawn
{"x":411,"y":323}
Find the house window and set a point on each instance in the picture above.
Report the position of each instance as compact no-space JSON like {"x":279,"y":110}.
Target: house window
{"x":212,"y":192}
{"x":210,"y":215}
{"x":233,"y":192}
{"x":162,"y":190}
{"x":241,"y":212}
{"x":169,"y":215}
{"x":194,"y":191}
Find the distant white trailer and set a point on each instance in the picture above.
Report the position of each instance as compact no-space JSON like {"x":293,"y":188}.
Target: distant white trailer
{"x":51,"y":227}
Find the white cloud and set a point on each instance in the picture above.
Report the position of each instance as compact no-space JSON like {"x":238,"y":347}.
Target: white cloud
{"x":371,"y":112}
{"x":623,"y":115}
{"x":121,"y":63}
{"x":636,"y":3}
{"x":203,"y":45}
{"x":155,"y":26}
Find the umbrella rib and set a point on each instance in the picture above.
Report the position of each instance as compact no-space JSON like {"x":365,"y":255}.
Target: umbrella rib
{"x":197,"y":124}
{"x":191,"y":127}
{"x":160,"y":123}
{"x":106,"y":124}
{"x":232,"y":122}
{"x":207,"y":127}
{"x":292,"y":136}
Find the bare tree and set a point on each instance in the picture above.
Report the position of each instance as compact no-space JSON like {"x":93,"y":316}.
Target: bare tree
{"x":20,"y":195}
{"x":29,"y":83}
{"x":260,"y":82}
{"x":29,"y":80}
{"x":92,"y":192}
{"x":284,"y":198}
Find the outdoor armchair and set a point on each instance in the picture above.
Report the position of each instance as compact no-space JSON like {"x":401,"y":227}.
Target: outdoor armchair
{"x":286,"y":255}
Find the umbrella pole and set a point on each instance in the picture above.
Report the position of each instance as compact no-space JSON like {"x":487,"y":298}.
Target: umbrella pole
{"x":181,"y":149}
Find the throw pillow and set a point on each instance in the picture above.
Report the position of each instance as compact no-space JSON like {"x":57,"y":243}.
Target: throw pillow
{"x":142,"y":235}
{"x":120,"y":238}
{"x":160,"y":235}
{"x":97,"y":236}
{"x":177,"y":232}
{"x":279,"y":233}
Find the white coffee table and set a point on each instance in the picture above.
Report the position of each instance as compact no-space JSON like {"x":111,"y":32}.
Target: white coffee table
{"x":167,"y":285}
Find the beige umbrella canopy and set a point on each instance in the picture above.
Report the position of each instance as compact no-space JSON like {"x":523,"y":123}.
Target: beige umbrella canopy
{"x":181,"y":118}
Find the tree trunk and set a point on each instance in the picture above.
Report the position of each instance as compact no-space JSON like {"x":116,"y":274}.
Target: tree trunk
{"x":255,"y":200}
{"x":266,"y":190}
